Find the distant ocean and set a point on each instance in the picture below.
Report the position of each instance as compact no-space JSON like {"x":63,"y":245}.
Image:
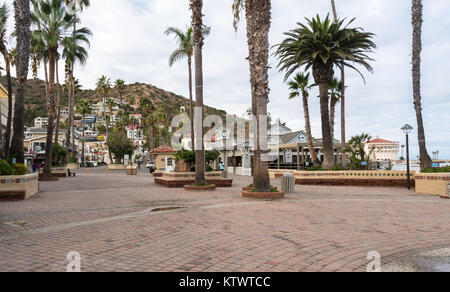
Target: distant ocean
{"x":414,"y":166}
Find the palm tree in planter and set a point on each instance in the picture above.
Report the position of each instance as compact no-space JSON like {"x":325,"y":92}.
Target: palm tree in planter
{"x":185,"y":49}
{"x":417,"y":20}
{"x":84,"y":108}
{"x":52,"y":24}
{"x":21,"y":59}
{"x":300,"y":86}
{"x":74,"y":51}
{"x":4,"y":15}
{"x":197,"y":23}
{"x":258,"y":15}
{"x":321,"y":45}
{"x":110,"y":104}
{"x":119,"y":86}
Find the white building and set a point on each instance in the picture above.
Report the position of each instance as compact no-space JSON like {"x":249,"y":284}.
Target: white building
{"x":383,"y":150}
{"x":41,"y":123}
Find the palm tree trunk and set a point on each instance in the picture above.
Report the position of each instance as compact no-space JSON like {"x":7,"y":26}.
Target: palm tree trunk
{"x":417,"y":20}
{"x":46,"y":79}
{"x":82,"y":150}
{"x":309,"y":138}
{"x":191,"y":106}
{"x":72,"y":115}
{"x":332,"y":116}
{"x":258,"y":26}
{"x":10,"y":101}
{"x":22,"y":20}
{"x":328,"y":153}
{"x":58,"y":97}
{"x":197,"y":24}
{"x":343,"y":138}
{"x":70,"y":121}
{"x":47,"y":172}
{"x":333,"y":7}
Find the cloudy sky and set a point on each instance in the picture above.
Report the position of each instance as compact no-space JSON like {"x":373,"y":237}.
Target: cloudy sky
{"x":129,"y":42}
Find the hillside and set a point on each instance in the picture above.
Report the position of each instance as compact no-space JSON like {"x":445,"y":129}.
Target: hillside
{"x":35,"y":103}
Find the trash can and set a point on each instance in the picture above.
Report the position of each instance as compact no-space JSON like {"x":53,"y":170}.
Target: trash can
{"x":288,"y":183}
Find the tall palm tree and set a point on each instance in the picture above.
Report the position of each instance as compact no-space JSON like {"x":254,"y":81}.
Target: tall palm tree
{"x":321,"y":45}
{"x":84,"y":108}
{"x":150,"y":121}
{"x":185,"y":49}
{"x":342,"y":98}
{"x":120,"y":86}
{"x":73,"y":52}
{"x":23,"y":22}
{"x":258,"y":15}
{"x":52,"y":25}
{"x":300,"y":86}
{"x":335,"y":97}
{"x":4,"y":15}
{"x":197,"y":24}
{"x":417,"y":20}
{"x":103,"y":87}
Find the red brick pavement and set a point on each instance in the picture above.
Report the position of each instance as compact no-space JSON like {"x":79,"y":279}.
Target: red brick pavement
{"x":109,"y":221}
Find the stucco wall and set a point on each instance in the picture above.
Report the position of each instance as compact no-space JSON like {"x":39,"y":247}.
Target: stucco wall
{"x":28,"y":183}
{"x":432,"y":183}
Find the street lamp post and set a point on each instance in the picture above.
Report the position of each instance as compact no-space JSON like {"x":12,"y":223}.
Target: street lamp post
{"x":407,"y":130}
{"x":225,"y":158}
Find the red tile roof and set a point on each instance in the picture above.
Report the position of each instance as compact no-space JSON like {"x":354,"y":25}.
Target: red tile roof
{"x":381,"y":141}
{"x":163,"y":149}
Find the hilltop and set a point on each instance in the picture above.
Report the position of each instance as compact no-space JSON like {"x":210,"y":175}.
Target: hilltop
{"x":35,"y":103}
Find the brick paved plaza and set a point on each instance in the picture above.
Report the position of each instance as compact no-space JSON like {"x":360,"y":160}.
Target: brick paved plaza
{"x":123,"y":223}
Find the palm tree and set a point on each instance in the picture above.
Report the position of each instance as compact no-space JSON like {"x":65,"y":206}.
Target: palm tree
{"x":4,"y":15}
{"x":73,"y":52}
{"x":258,"y":15}
{"x":103,"y":87}
{"x":150,"y":121}
{"x":197,"y":24}
{"x":321,"y":45}
{"x":342,"y":98}
{"x":356,"y":146}
{"x":120,"y":86}
{"x":52,"y":24}
{"x":335,"y":97}
{"x":417,"y":20}
{"x":300,"y":85}
{"x":186,"y":50}
{"x":132,"y":101}
{"x":84,"y":108}
{"x":22,"y":59}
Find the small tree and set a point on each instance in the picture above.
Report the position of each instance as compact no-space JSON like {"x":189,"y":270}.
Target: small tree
{"x":120,"y":145}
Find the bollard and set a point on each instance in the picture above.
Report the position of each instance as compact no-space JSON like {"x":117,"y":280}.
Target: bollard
{"x":87,"y":171}
{"x":106,"y":171}
{"x":288,"y":183}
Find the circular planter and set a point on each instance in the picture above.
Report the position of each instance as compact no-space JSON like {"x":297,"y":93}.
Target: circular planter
{"x":200,"y":188}
{"x":254,"y":195}
{"x":249,"y":189}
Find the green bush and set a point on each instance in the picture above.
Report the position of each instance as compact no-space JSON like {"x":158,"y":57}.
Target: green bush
{"x":5,"y":168}
{"x":20,"y":169}
{"x":316,"y":168}
{"x":209,"y":168}
{"x":437,"y":170}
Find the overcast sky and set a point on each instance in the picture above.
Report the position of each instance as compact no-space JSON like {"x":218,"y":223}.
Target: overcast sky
{"x":129,"y":43}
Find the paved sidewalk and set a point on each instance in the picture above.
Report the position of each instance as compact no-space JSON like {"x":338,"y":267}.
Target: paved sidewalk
{"x":128,"y":223}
